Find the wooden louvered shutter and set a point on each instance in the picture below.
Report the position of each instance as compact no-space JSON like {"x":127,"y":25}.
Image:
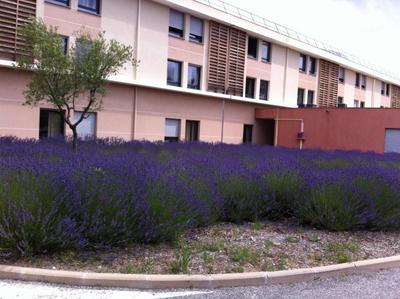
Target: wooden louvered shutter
{"x":237,"y":60}
{"x":328,"y":84}
{"x":13,"y":14}
{"x":218,"y":57}
{"x":395,"y":100}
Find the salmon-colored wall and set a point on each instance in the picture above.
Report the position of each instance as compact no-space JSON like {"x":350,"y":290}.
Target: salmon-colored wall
{"x":330,"y":129}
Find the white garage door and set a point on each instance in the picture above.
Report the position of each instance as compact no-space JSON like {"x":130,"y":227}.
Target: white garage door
{"x":392,"y":141}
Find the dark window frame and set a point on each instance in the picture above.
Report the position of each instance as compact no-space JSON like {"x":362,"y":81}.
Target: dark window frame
{"x":268,"y":45}
{"x":248,"y":138}
{"x":358,"y":80}
{"x":303,"y":66}
{"x":340,"y":100}
{"x":194,"y":37}
{"x":171,"y":83}
{"x":250,"y":46}
{"x":388,"y":89}
{"x":342,"y":78}
{"x":301,"y":91}
{"x":310,"y":92}
{"x":171,"y":138}
{"x":266,"y":98}
{"x":383,"y":88}
{"x":66,"y":43}
{"x":192,"y":131}
{"x":64,"y":3}
{"x":91,"y":10}
{"x":247,"y":95}
{"x":362,"y":104}
{"x":312,"y":68}
{"x":364,"y":81}
{"x":174,"y":31}
{"x":199,"y":71}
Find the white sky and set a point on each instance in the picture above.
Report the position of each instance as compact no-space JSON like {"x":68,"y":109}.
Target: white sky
{"x":369,"y":29}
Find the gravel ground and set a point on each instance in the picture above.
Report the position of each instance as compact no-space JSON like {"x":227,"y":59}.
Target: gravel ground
{"x":384,"y":284}
{"x":225,"y":248}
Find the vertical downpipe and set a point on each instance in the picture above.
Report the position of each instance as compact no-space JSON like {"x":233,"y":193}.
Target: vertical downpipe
{"x":222,"y":120}
{"x":136,"y":49}
{"x":276,"y":128}
{"x":373,"y":93}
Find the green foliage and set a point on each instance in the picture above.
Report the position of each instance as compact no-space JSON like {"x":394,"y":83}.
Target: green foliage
{"x":59,"y":78}
{"x":182,"y":260}
{"x":332,"y":208}
{"x":244,"y":255}
{"x":292,"y":239}
{"x":341,"y":252}
{"x":213,"y":246}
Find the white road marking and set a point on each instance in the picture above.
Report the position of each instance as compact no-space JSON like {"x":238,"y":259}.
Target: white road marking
{"x":25,"y":290}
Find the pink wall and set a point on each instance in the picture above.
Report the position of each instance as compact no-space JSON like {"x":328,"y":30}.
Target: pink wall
{"x":344,"y":129}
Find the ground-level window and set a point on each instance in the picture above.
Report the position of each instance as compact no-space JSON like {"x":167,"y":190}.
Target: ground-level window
{"x":356,"y":104}
{"x":174,"y":73}
{"x":64,"y":44}
{"x":248,"y":134}
{"x":250,"y":87}
{"x":264,"y":87}
{"x":340,"y":101}
{"x":87,"y":128}
{"x":62,"y":2}
{"x":172,"y":129}
{"x":362,"y":104}
{"x":194,"y":75}
{"x":192,"y":130}
{"x":300,"y":97}
{"x":51,"y":124}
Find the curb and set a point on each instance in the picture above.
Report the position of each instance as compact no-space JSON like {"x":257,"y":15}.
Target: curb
{"x":144,"y":281}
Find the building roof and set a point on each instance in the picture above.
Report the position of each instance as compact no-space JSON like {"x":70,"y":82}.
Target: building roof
{"x":237,"y":17}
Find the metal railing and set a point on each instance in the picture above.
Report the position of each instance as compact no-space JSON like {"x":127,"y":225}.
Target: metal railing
{"x":290,"y":33}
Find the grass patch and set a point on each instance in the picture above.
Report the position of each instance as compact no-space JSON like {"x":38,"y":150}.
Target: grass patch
{"x":341,"y":252}
{"x":244,"y":255}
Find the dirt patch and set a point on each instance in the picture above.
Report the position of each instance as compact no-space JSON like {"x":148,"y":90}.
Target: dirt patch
{"x":227,"y":248}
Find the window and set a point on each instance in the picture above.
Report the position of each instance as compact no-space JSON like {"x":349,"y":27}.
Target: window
{"x":358,"y":80}
{"x":174,"y":73}
{"x":313,"y":66}
{"x":264,"y":87}
{"x":248,"y":134}
{"x":300,"y":97}
{"x":82,"y":48}
{"x":387,"y":90}
{"x":90,"y":5}
{"x":266,"y":51}
{"x":250,"y":87}
{"x":356,"y":104}
{"x":51,"y":124}
{"x":383,"y":88}
{"x":192,"y":131}
{"x":87,"y":128}
{"x":194,"y":76}
{"x":196,"y":30}
{"x":362,"y":104}
{"x":340,"y":101}
{"x":342,"y":74}
{"x":310,"y":98}
{"x":62,"y":2}
{"x":176,"y":23}
{"x":64,"y":43}
{"x":252,"y":47}
{"x":363,"y":82}
{"x":172,"y":129}
{"x":303,"y":63}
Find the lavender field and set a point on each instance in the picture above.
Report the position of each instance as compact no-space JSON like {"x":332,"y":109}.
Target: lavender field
{"x":113,"y":193}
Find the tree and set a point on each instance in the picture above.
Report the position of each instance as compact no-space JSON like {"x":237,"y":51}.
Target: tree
{"x":62,"y":79}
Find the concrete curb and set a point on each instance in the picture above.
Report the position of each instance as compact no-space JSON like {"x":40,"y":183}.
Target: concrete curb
{"x":143,"y":281}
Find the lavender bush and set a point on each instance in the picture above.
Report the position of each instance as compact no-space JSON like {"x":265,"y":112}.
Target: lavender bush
{"x":114,"y":193}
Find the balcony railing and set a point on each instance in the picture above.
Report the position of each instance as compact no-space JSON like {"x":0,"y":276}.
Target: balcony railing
{"x":290,"y":33}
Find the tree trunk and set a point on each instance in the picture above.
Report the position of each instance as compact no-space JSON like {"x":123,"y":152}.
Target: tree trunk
{"x":74,"y":139}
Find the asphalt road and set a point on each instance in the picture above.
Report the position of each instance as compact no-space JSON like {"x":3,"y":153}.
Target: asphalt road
{"x":385,"y":284}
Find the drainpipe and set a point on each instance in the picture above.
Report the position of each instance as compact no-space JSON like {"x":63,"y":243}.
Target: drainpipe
{"x":373,"y":93}
{"x":277,"y":120}
{"x":285,"y":75}
{"x":136,"y":45}
{"x":223,"y":119}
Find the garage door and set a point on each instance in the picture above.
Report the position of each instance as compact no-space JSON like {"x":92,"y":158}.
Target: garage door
{"x":392,"y":141}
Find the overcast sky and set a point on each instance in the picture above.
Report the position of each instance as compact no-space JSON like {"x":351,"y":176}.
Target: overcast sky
{"x":369,"y":29}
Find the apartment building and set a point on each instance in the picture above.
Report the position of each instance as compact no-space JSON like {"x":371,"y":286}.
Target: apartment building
{"x":205,"y":67}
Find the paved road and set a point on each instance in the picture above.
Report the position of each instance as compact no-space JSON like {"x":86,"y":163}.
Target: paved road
{"x":384,"y":284}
